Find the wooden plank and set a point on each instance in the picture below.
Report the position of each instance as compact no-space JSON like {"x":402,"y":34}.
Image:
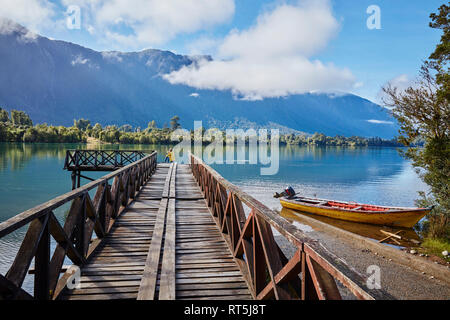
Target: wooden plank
{"x":111,"y":284}
{"x":212,"y":293}
{"x":147,"y":288}
{"x":117,"y":296}
{"x":106,"y":290}
{"x":133,"y":267}
{"x":110,"y":278}
{"x":166,"y":188}
{"x":172,"y":191}
{"x":167,"y":287}
{"x":183,"y":274}
{"x":235,"y":297}
{"x":201,"y":261}
{"x":117,"y":259}
{"x":201,"y":256}
{"x":122,"y":254}
{"x":112,"y":272}
{"x":206,"y":286}
{"x":208,"y":280}
{"x":213,"y":269}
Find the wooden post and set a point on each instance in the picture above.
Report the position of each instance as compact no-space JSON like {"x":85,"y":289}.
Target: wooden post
{"x":78,"y":179}
{"x":42,"y":265}
{"x":73,"y":176}
{"x":79,"y":243}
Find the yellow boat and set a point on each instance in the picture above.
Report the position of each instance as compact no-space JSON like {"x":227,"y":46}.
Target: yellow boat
{"x":356,"y":212}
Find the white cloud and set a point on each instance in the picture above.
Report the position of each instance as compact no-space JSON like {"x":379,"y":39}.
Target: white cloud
{"x":255,"y":80}
{"x":141,"y":23}
{"x":380,"y":122}
{"x":401,"y":82}
{"x":34,"y":14}
{"x":194,"y":95}
{"x":301,"y":29}
{"x":79,"y":60}
{"x":90,"y":29}
{"x":273,"y":57}
{"x":112,"y":55}
{"x":358,"y":85}
{"x":8,"y":27}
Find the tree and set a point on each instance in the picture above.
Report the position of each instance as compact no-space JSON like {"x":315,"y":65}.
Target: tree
{"x":82,"y":124}
{"x":20,"y":118}
{"x":319,"y":139}
{"x":4,"y":116}
{"x":31,"y":135}
{"x":439,"y":59}
{"x":3,"y":132}
{"x":423,"y":111}
{"x":126,"y":128}
{"x":174,"y":125}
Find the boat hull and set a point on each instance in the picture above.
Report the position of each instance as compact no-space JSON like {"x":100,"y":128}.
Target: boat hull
{"x":406,"y":218}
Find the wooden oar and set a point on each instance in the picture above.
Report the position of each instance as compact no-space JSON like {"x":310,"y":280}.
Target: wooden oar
{"x":391,"y":235}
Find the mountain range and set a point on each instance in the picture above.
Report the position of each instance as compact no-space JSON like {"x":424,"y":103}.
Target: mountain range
{"x":56,"y":82}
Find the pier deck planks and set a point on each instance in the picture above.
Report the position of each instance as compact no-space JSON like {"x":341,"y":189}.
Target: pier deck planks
{"x":165,"y":246}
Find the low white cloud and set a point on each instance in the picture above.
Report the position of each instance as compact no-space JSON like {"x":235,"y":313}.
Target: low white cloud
{"x":36,"y":15}
{"x":194,"y":95}
{"x":273,"y":58}
{"x":8,"y":26}
{"x":81,"y":61}
{"x":380,"y":122}
{"x":112,"y":56}
{"x":252,"y":80}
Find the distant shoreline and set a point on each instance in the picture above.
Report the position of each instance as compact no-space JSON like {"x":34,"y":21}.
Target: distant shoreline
{"x":18,"y":127}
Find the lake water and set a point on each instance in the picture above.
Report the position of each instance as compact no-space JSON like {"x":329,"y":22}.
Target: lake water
{"x":31,"y":174}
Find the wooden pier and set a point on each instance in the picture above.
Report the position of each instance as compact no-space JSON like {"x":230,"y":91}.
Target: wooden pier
{"x":78,"y":161}
{"x":165,"y":232}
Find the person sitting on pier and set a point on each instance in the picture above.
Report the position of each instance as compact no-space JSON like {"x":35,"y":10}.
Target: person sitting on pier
{"x":169,"y":156}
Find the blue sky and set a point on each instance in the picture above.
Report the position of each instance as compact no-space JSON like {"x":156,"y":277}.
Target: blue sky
{"x":376,"y":56}
{"x":341,"y":53}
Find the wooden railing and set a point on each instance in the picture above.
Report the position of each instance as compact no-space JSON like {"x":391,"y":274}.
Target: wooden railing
{"x":312,"y":271}
{"x":75,"y":239}
{"x":100,"y":160}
